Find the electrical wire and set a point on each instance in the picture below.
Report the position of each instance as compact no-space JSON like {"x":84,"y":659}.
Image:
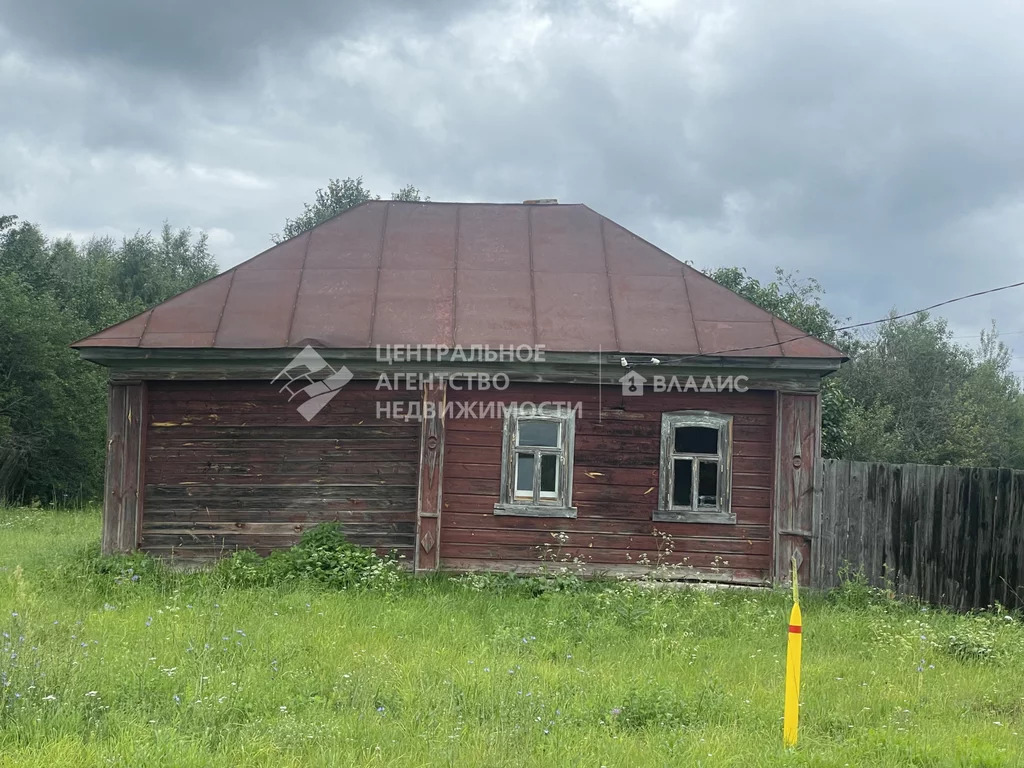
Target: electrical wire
{"x":675,"y":361}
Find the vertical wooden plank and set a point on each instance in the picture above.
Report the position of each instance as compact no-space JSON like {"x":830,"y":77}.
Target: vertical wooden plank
{"x":429,"y":483}
{"x":888,"y":516}
{"x":826,"y":525}
{"x":123,"y":482}
{"x":1013,"y":572}
{"x":933,"y":532}
{"x":883,"y":482}
{"x":892,"y":523}
{"x":855,"y":517}
{"x":796,"y":460}
{"x":144,"y":432}
{"x":963,"y":562}
{"x":926,"y":482}
{"x":114,"y":468}
{"x":128,"y":520}
{"x":842,"y":537}
{"x":906,"y":530}
{"x":999,"y":561}
{"x":986,"y":519}
{"x":950,"y":534}
{"x":872,"y":486}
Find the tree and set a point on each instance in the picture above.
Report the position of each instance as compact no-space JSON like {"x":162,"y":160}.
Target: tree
{"x":909,"y":393}
{"x":338,"y":196}
{"x":52,"y":292}
{"x":148,"y":270}
{"x":799,"y":303}
{"x":51,"y":403}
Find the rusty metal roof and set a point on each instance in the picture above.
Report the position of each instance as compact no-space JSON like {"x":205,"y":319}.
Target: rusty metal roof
{"x":561,"y":276}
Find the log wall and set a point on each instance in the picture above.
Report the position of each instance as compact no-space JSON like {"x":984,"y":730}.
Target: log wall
{"x":233,"y":465}
{"x":615,"y":488}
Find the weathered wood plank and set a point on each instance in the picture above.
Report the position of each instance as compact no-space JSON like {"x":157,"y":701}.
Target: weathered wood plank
{"x":430,"y":477}
{"x":948,"y":535}
{"x":112,"y":493}
{"x":122,"y":502}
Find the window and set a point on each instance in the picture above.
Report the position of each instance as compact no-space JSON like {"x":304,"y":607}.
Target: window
{"x":696,"y":468}
{"x":536,"y":473}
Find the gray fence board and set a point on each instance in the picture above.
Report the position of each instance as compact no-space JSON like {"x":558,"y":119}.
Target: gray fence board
{"x":948,"y":535}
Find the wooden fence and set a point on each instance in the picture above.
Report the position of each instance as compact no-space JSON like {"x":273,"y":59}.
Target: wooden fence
{"x":948,"y":535}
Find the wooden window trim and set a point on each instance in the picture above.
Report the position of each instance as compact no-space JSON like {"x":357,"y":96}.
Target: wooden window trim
{"x":560,"y":506}
{"x":666,"y":511}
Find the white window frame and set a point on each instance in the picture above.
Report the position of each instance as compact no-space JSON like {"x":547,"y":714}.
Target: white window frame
{"x":693,"y":513}
{"x":539,"y":503}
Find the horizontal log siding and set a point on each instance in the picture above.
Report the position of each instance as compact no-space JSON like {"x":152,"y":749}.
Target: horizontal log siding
{"x":232,"y":465}
{"x":615,"y":487}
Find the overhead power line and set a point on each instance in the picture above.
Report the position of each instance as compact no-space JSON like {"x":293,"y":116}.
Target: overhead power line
{"x":845,"y":327}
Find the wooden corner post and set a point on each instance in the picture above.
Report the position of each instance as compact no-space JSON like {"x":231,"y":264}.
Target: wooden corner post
{"x":123,"y":482}
{"x":797,"y":449}
{"x":428,"y":498}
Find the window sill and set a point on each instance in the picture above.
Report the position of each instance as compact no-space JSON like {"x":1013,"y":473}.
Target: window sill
{"x":691,"y":516}
{"x":534,"y":510}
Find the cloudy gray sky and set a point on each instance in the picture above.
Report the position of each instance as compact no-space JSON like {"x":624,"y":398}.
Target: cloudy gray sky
{"x":872,"y":144}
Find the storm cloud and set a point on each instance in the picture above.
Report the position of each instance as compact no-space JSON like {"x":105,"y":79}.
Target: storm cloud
{"x":875,"y":146}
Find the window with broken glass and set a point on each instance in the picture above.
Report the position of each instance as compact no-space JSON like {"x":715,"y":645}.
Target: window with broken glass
{"x":696,"y":468}
{"x":537,"y":463}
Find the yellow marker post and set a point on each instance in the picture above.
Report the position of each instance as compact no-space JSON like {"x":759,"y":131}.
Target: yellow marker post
{"x":791,"y":721}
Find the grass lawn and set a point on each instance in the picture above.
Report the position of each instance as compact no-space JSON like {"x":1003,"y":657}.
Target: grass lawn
{"x":179,"y":669}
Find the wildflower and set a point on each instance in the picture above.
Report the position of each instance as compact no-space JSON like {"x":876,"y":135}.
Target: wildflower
{"x":177,"y":699}
{"x":616,"y":711}
{"x":149,"y":621}
{"x":91,"y":693}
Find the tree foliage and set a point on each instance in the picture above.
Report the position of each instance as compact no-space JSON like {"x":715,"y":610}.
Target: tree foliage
{"x":910,"y":393}
{"x":339,"y":195}
{"x":53,"y":292}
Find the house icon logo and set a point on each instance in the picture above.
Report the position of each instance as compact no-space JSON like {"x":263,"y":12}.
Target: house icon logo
{"x":632,"y":384}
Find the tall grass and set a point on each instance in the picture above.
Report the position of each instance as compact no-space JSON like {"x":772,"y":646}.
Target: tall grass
{"x":125,"y":663}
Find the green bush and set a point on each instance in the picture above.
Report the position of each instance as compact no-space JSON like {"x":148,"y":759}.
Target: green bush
{"x":974,"y":638}
{"x":323,"y":555}
{"x":854,"y":590}
{"x":658,"y":706}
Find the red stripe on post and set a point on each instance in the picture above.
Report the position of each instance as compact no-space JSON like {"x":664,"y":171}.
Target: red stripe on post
{"x":795,"y":629}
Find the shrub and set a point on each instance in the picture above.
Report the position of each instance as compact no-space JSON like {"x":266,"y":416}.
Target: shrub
{"x":974,"y":639}
{"x":323,"y":555}
{"x":854,"y":590}
{"x":658,"y":706}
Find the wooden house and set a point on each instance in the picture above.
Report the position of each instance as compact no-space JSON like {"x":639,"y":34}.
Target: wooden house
{"x":471,"y":385}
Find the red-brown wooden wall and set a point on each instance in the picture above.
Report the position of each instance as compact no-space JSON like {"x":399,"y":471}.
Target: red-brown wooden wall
{"x":615,"y":487}
{"x":233,"y":465}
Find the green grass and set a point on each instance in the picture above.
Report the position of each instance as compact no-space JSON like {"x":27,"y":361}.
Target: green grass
{"x":178,"y":669}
